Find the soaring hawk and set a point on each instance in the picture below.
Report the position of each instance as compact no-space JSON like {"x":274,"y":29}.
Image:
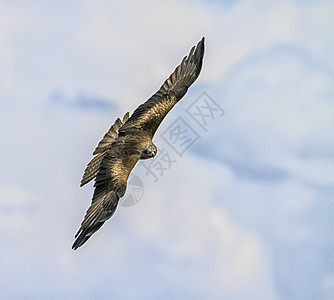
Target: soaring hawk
{"x":129,"y":140}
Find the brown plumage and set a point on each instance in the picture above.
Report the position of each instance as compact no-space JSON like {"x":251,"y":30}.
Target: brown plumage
{"x":129,"y":140}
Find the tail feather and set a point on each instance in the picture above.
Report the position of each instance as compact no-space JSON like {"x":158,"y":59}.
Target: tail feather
{"x":104,"y":145}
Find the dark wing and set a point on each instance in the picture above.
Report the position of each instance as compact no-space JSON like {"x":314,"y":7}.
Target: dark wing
{"x":110,"y":186}
{"x":101,"y":149}
{"x":150,"y":114}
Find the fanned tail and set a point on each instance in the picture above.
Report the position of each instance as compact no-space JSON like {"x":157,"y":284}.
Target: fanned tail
{"x":101,"y":149}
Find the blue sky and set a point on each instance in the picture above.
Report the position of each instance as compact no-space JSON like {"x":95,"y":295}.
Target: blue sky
{"x":244,"y":212}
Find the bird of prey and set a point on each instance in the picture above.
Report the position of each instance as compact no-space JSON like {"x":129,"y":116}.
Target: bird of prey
{"x":129,"y":140}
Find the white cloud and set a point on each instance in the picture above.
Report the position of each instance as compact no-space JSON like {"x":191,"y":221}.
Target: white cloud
{"x":186,"y":225}
{"x":279,"y":102}
{"x":218,"y":231}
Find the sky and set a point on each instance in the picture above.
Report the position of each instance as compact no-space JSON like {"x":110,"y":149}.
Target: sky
{"x":237,"y":204}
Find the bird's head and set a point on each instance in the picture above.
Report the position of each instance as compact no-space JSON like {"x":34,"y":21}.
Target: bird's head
{"x":149,"y":150}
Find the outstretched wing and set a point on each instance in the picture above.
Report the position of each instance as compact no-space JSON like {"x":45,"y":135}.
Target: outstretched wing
{"x":101,"y":149}
{"x":110,"y":186}
{"x":150,"y":114}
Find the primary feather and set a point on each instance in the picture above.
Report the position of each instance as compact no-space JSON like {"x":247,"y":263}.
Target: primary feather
{"x":150,"y":114}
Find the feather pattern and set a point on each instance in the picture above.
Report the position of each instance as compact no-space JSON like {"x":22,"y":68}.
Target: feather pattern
{"x":150,"y":114}
{"x":110,"y":185}
{"x":129,"y":140}
{"x":105,"y":144}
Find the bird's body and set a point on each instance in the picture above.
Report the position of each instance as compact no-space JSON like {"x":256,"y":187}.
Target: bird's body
{"x":129,"y":140}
